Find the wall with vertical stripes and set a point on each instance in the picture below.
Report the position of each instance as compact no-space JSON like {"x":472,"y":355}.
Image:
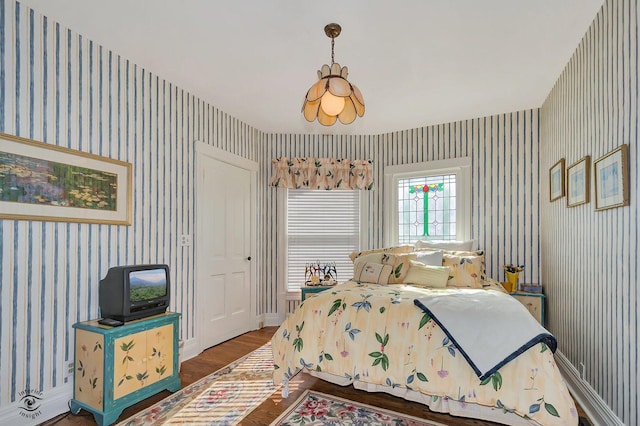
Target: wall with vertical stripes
{"x":63,"y":89}
{"x":590,"y":259}
{"x":504,"y":153}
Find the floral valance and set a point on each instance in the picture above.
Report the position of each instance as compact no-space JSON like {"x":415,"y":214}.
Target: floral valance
{"x":322,"y":173}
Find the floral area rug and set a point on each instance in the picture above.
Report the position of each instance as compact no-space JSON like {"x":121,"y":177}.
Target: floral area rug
{"x":221,"y":398}
{"x":315,"y":408}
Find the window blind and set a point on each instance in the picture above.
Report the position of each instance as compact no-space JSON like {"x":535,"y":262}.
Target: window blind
{"x":322,"y":226}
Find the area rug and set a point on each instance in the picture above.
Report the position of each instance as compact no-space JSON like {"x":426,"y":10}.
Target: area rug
{"x":315,"y":408}
{"x":221,"y":398}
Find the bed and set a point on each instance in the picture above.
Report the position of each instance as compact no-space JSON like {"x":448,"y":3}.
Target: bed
{"x":396,"y":338}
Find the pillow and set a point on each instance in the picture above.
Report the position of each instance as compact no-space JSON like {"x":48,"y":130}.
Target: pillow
{"x":369,"y":272}
{"x":464,"y":253}
{"x":426,"y":275}
{"x":456,"y":252}
{"x":400,"y":263}
{"x":370,"y":257}
{"x":407,"y":248}
{"x":433,"y":258}
{"x":447,"y":245}
{"x":465,"y":270}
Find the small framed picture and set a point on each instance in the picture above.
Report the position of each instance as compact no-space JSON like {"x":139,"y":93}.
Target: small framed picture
{"x":556,"y":181}
{"x":611,"y":179}
{"x":578,"y":175}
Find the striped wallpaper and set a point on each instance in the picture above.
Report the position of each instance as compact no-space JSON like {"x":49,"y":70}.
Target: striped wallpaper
{"x":590,"y":259}
{"x":61,"y":88}
{"x":504,"y":153}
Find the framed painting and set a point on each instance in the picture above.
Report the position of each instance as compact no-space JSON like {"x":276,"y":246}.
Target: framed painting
{"x":578,"y":175}
{"x":39,"y":181}
{"x":556,"y":181}
{"x":611,"y":179}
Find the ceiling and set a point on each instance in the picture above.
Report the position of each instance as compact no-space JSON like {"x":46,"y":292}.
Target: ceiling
{"x":417,"y":62}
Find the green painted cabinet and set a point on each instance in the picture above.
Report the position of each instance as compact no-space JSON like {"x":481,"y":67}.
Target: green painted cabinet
{"x":116,"y":367}
{"x":307,"y":290}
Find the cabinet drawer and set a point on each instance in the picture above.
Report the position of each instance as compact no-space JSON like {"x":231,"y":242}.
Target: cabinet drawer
{"x":309,"y":290}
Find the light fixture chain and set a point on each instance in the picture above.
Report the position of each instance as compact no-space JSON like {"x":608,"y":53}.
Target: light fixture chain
{"x":332,"y":44}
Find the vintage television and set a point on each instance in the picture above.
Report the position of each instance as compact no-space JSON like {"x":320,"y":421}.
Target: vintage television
{"x":132,"y":292}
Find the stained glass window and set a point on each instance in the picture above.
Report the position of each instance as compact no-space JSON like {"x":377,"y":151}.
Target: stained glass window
{"x":427,"y":208}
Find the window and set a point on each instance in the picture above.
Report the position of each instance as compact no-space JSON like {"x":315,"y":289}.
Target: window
{"x":430,"y":201}
{"x":321,"y":226}
{"x":427,"y":208}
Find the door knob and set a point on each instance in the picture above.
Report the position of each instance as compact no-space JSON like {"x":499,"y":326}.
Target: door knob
{"x":249,"y":258}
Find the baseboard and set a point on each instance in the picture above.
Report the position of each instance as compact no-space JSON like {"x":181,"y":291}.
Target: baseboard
{"x":598,"y":411}
{"x":190,"y":349}
{"x":273,"y":320}
{"x":259,"y":321}
{"x":54,"y":402}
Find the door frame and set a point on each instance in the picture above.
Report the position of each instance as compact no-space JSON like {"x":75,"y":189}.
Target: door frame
{"x":202,"y":150}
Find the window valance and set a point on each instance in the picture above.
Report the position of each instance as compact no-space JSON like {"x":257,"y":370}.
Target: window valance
{"x":322,"y":173}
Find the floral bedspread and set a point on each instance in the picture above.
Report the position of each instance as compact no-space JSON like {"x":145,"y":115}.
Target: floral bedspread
{"x":375,"y":334}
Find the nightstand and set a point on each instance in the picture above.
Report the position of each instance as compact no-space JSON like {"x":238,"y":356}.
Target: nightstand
{"x":534,"y":302}
{"x":306,"y":290}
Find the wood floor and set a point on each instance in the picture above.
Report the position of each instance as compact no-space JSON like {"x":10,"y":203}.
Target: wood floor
{"x":218,"y":356}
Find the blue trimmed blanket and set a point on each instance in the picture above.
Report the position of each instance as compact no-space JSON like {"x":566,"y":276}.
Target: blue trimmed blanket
{"x":489,"y":328}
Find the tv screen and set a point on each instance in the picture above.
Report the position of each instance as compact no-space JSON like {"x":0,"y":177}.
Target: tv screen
{"x":149,"y":284}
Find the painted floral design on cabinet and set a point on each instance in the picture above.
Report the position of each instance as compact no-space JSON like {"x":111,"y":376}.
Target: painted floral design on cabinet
{"x":89,"y":368}
{"x":142,"y":359}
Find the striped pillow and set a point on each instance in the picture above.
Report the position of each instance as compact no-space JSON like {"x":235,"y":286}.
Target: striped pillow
{"x":422,"y":275}
{"x":369,"y":272}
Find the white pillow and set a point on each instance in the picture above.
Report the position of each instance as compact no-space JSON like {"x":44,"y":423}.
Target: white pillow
{"x":368,"y":272}
{"x":427,"y":276}
{"x":432,"y":258}
{"x":467,"y":245}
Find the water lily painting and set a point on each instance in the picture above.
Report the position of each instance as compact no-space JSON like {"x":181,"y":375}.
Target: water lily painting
{"x":40,"y":181}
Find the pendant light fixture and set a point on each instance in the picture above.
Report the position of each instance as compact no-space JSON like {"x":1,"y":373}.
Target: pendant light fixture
{"x":332,"y":97}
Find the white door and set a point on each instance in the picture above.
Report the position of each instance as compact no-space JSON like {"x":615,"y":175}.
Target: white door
{"x":224,"y":244}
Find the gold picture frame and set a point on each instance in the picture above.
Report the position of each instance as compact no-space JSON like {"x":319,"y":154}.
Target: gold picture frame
{"x":556,"y":181}
{"x":40,"y":181}
{"x":578,"y":179}
{"x":611,"y":179}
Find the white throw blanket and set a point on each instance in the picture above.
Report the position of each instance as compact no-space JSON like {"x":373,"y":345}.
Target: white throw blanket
{"x":489,"y":328}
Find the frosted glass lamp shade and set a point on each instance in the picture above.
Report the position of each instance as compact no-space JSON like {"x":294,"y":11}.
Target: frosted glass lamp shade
{"x":333,"y":98}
